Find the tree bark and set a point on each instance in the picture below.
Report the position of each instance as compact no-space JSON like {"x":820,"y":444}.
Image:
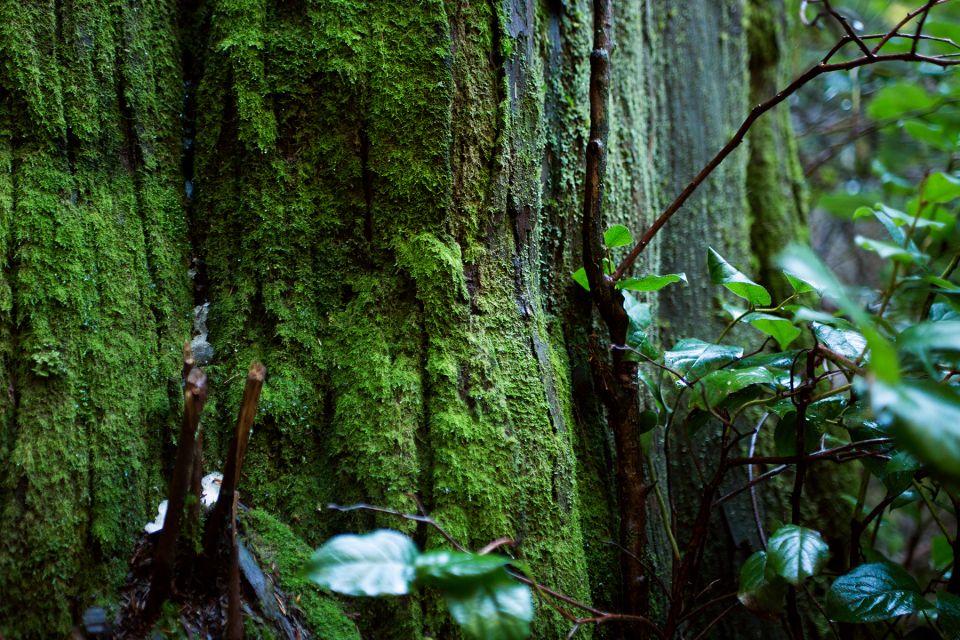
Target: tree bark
{"x":382,"y":201}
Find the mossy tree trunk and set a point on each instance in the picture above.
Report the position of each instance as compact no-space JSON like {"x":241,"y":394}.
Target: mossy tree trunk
{"x":385,"y":212}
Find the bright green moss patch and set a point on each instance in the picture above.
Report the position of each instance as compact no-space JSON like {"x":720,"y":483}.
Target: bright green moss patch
{"x":94,"y":299}
{"x":275,"y":545}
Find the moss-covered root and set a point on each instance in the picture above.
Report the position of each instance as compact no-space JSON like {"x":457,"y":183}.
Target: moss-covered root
{"x":277,"y":547}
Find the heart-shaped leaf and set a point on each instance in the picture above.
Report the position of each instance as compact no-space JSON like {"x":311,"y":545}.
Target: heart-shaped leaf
{"x":780,"y":329}
{"x":496,"y":606}
{"x":762,"y":596}
{"x":796,"y":553}
{"x":651,"y":282}
{"x":874,"y":592}
{"x":378,"y":563}
{"x":717,"y":385}
{"x":925,"y":419}
{"x":617,"y":236}
{"x":722,"y":272}
{"x":692,"y":358}
{"x":444,"y":568}
{"x":847,"y":342}
{"x":580,"y":277}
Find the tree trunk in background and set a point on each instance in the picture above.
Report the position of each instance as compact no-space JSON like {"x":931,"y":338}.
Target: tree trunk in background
{"x":385,"y":213}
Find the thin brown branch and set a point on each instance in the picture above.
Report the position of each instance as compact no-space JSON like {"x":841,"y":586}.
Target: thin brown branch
{"x":833,"y":455}
{"x":738,"y":137}
{"x":425,"y":519}
{"x":238,"y":449}
{"x":903,"y":22}
{"x":845,"y":24}
{"x":194,"y":397}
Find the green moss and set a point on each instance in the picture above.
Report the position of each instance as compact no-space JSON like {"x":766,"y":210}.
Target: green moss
{"x":776,"y":191}
{"x":347,"y":253}
{"x":94,"y":245}
{"x":277,"y":546}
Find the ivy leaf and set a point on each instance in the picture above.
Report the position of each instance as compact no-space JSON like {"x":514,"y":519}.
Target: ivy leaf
{"x":798,"y":285}
{"x":693,"y":358}
{"x":928,"y":337}
{"x":890,"y":251}
{"x":722,"y":272}
{"x":651,"y":282}
{"x":941,"y":188}
{"x":898,"y":472}
{"x":899,"y":218}
{"x":874,"y":592}
{"x":847,"y":342}
{"x":617,"y":236}
{"x":378,"y":563}
{"x":580,"y":277}
{"x":445,"y":568}
{"x":717,"y":385}
{"x":495,"y":607}
{"x":762,"y":596}
{"x":780,"y":329}
{"x":948,"y":614}
{"x":925,"y":418}
{"x":640,"y":317}
{"x":796,"y":553}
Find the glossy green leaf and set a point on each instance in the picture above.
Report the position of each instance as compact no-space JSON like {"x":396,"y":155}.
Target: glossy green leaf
{"x":898,"y":218}
{"x":899,"y":472}
{"x":874,"y":592}
{"x":693,"y":358}
{"x":640,"y":318}
{"x":924,"y":417}
{"x":847,"y":342}
{"x":780,"y":329}
{"x":378,"y":563}
{"x":760,"y":595}
{"x":930,"y":336}
{"x":799,"y":286}
{"x":773,"y":360}
{"x":802,"y":263}
{"x":495,"y":607}
{"x":796,"y":553}
{"x":890,"y":251}
{"x":948,"y":614}
{"x":617,"y":236}
{"x":580,"y":277}
{"x":722,"y":272}
{"x":941,"y":188}
{"x":651,"y":282}
{"x":444,"y":568}
{"x":718,"y":385}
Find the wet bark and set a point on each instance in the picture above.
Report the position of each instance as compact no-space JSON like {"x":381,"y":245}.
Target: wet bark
{"x":382,"y":205}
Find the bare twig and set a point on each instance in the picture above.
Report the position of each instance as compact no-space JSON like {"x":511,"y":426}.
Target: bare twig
{"x":194,"y":397}
{"x":238,"y":451}
{"x":825,"y":66}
